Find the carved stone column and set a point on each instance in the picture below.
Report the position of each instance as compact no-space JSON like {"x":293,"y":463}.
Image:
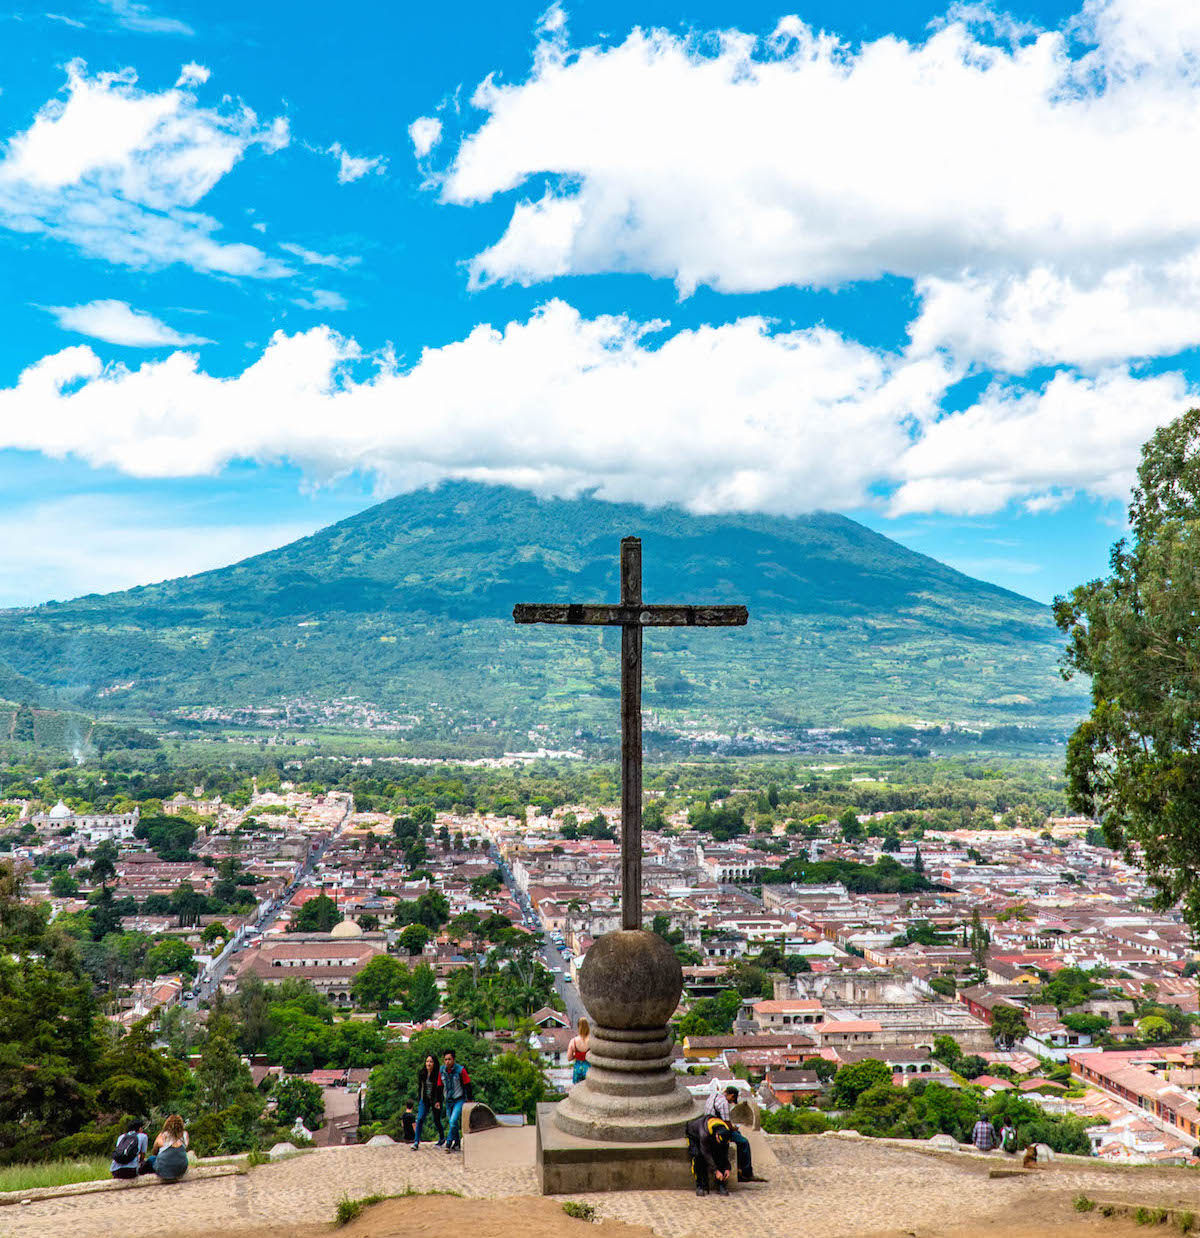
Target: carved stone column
{"x":630,"y":984}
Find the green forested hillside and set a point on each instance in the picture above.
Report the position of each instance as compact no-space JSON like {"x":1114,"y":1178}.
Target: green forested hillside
{"x":408,"y":606}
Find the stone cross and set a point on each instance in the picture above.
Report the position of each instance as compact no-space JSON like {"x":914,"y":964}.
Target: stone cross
{"x":631,"y":615}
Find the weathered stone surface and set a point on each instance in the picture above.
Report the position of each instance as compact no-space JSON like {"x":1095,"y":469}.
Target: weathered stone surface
{"x":631,"y":980}
{"x":479,"y":1117}
{"x":569,"y":1165}
{"x":380,"y":1141}
{"x":944,"y":1143}
{"x":280,"y":1150}
{"x":745,"y":1114}
{"x":1045,"y":1153}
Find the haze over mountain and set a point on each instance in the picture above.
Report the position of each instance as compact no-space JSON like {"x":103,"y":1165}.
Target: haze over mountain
{"x":407,"y":606}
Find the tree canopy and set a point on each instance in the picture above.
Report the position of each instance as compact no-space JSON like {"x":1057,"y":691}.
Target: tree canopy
{"x":1134,"y":762}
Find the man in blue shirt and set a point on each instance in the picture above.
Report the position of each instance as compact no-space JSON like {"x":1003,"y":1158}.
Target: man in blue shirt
{"x":129,"y":1156}
{"x":456,"y":1090}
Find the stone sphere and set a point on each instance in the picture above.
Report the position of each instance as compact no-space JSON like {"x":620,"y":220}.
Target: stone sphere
{"x":630,"y":979}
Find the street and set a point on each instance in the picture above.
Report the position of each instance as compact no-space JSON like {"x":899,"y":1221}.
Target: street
{"x":207,"y":985}
{"x":551,"y":955}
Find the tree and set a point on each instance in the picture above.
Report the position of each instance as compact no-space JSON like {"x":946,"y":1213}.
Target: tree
{"x":104,"y":862}
{"x":1154,"y":1028}
{"x":318,"y":915}
{"x":381,"y":983}
{"x":22,"y":730}
{"x":136,"y":1077}
{"x":188,"y":904}
{"x":430,"y":909}
{"x":423,"y":995}
{"x":170,"y":955}
{"x":1134,"y":762}
{"x":978,"y":941}
{"x":299,"y":1098}
{"x":414,"y":938}
{"x":171,"y":837}
{"x":63,"y":885}
{"x":1008,"y":1026}
{"x":222,"y":1077}
{"x":213,"y":931}
{"x":852,"y":1081}
{"x":852,"y":831}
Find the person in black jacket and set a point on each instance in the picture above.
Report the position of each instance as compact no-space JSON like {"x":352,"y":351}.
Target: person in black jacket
{"x":708,"y":1145}
{"x":429,"y":1100}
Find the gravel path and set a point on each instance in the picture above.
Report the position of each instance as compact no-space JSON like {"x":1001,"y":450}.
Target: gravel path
{"x":821,"y":1187}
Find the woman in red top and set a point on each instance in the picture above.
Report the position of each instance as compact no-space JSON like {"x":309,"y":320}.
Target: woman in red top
{"x":577,"y":1052}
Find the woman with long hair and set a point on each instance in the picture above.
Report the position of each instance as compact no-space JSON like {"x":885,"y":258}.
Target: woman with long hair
{"x":577,"y":1051}
{"x":429,"y":1100}
{"x":170,"y":1150}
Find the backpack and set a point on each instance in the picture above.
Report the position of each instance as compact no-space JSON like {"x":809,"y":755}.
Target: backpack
{"x":127,"y":1148}
{"x":1009,"y":1138}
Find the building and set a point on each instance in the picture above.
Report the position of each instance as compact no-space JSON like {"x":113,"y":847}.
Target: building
{"x":328,"y":961}
{"x":92,"y":827}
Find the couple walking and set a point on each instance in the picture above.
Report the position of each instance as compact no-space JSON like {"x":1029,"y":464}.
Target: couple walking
{"x":441,"y":1090}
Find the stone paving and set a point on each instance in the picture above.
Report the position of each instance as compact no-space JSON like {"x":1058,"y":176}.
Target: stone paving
{"x":820,"y":1187}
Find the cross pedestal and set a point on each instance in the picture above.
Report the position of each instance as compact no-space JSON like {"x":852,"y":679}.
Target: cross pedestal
{"x":630,"y":981}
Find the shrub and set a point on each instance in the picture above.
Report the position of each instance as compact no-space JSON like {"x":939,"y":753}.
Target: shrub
{"x":581,"y":1212}
{"x":1083,"y":1204}
{"x":349,"y":1209}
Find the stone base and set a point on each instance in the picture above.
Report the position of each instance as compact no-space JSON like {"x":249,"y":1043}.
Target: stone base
{"x":569,"y":1165}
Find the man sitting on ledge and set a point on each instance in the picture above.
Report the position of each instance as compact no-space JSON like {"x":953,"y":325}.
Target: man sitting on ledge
{"x":720,"y":1105}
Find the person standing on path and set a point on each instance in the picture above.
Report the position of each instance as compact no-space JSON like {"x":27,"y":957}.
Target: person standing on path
{"x":170,"y":1158}
{"x":984,"y":1135}
{"x":577,"y":1051}
{"x":456,"y":1091}
{"x":429,"y":1100}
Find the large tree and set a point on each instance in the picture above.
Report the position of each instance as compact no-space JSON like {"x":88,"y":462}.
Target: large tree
{"x":1134,"y":762}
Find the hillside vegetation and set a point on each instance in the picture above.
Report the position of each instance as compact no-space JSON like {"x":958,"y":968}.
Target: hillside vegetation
{"x":408,"y":606}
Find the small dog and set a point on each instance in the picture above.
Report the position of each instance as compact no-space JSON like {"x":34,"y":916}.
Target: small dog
{"x":1030,"y":1160}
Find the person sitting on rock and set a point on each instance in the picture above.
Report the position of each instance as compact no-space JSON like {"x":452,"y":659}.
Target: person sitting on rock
{"x":170,"y":1159}
{"x":720,"y":1105}
{"x":708,"y":1146}
{"x":130,"y":1153}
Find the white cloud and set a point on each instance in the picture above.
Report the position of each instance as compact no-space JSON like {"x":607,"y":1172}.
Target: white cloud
{"x":426,"y":133}
{"x":193,"y":74}
{"x":115,"y":170}
{"x":718,"y":418}
{"x":64,"y":547}
{"x":355,"y":167}
{"x":116,"y":323}
{"x":323,"y":299}
{"x":1074,"y":434}
{"x":138,"y":17}
{"x":312,"y":258}
{"x":732,"y":417}
{"x":1034,"y":183}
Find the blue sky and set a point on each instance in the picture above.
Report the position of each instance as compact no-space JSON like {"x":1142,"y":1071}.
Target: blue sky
{"x":933,"y":268}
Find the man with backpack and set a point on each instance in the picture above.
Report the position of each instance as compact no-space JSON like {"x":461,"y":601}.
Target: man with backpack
{"x":1008,"y":1137}
{"x":456,"y":1091}
{"x":130,"y":1152}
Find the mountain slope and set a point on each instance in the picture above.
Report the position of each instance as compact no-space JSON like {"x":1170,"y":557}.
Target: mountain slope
{"x":408,"y":605}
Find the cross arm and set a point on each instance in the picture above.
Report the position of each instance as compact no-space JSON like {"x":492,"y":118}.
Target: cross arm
{"x":601,"y":614}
